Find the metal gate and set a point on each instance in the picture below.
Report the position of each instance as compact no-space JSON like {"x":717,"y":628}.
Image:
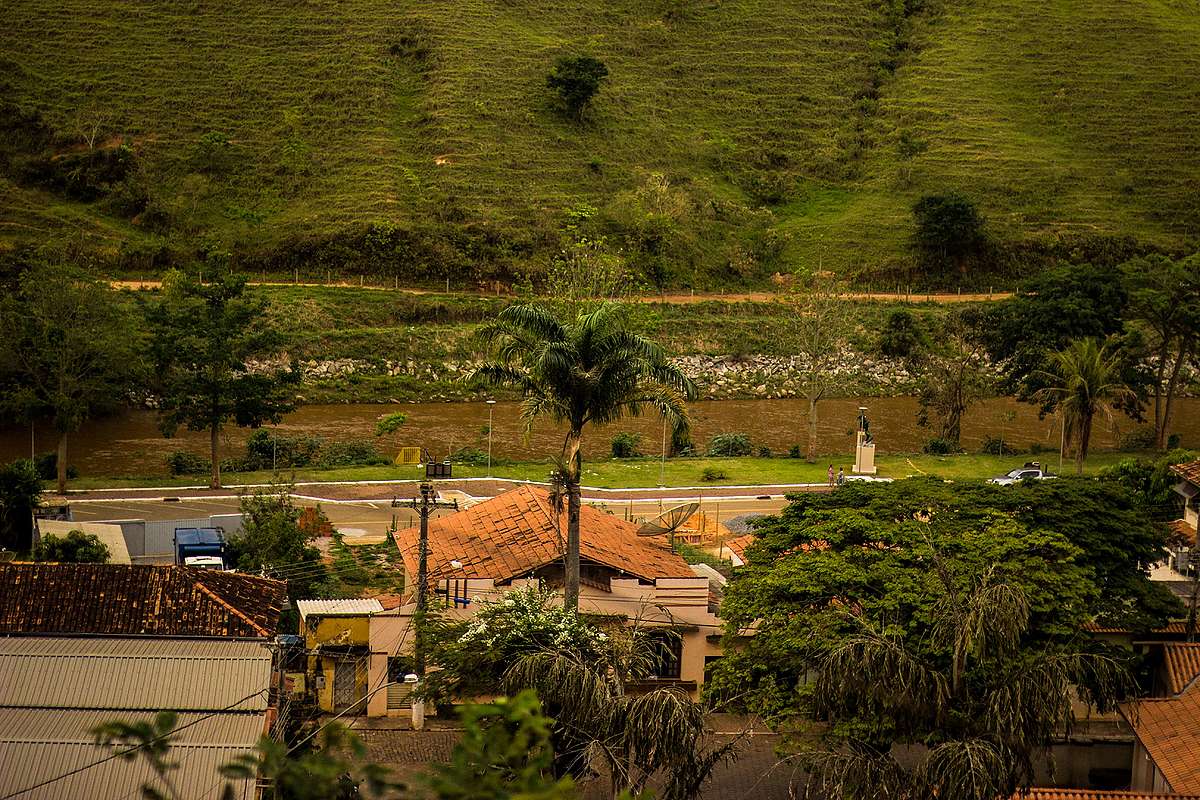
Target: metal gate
{"x":344,"y":680}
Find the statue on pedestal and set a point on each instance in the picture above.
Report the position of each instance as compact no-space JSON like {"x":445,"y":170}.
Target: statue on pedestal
{"x":864,"y":450}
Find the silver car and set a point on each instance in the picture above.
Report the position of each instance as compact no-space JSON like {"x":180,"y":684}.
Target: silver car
{"x":1027,"y":472}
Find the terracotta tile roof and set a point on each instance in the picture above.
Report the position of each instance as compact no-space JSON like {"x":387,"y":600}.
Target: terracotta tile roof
{"x":738,"y":546}
{"x":1181,"y":531}
{"x":1189,"y":471}
{"x":1177,"y":627}
{"x":123,"y":599}
{"x":515,"y":533}
{"x":1182,"y":660}
{"x":1037,"y":793}
{"x":1169,"y":729}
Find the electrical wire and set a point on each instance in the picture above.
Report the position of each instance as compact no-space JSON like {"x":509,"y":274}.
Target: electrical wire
{"x":134,"y":749}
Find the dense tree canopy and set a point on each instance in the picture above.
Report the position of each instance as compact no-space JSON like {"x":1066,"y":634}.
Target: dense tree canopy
{"x":205,"y":335}
{"x":1078,"y":550}
{"x":900,"y":614}
{"x":68,"y":350}
{"x":1061,"y":304}
{"x":76,"y":547}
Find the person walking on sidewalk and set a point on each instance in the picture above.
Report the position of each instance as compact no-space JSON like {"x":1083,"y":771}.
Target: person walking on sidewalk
{"x":829,"y":476}
{"x":841,"y":478}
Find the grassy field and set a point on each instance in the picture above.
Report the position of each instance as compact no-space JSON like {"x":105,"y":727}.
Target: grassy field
{"x":751,"y":137}
{"x":616,"y":474}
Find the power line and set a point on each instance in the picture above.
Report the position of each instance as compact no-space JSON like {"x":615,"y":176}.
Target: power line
{"x":134,"y":749}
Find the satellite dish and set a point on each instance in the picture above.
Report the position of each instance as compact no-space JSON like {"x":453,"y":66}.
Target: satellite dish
{"x":669,"y":521}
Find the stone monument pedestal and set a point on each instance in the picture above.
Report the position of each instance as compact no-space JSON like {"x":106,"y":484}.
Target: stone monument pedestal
{"x":864,"y":455}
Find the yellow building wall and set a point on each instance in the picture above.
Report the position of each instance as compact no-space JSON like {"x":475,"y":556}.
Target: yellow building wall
{"x":337,"y":631}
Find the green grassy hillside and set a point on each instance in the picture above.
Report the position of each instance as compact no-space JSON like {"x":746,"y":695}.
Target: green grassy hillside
{"x":734,"y":139}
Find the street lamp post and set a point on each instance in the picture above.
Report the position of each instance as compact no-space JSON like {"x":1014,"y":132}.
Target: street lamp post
{"x":662,"y":464}
{"x":491,"y":404}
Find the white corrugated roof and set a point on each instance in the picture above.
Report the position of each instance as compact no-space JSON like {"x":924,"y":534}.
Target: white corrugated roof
{"x":132,"y":674}
{"x":27,"y":764}
{"x":351,"y":606}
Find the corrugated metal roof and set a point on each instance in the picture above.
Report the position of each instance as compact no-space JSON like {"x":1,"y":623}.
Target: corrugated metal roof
{"x":198,"y":777}
{"x":351,"y":606}
{"x":31,"y":725}
{"x":134,"y":674}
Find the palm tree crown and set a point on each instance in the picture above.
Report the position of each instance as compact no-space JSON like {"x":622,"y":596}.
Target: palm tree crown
{"x":581,"y":370}
{"x":1085,"y":380}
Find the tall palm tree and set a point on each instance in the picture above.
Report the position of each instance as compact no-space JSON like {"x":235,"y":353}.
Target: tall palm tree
{"x":660,"y":735}
{"x":1084,"y":381}
{"x":589,"y":368}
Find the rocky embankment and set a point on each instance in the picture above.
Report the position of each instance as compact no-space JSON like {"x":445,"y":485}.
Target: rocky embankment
{"x":718,"y":377}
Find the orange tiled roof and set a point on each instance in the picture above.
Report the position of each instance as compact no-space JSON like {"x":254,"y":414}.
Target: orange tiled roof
{"x":1177,"y":627}
{"x":1182,"y":660}
{"x":1181,"y":531}
{"x":1037,"y":793}
{"x":1189,"y":471}
{"x":515,"y":533}
{"x":738,"y":546}
{"x":133,"y":599}
{"x":1169,"y":729}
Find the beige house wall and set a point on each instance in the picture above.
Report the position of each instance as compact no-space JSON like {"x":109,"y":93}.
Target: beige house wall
{"x":677,"y":603}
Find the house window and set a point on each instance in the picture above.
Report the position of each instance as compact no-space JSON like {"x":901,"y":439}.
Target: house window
{"x":667,"y":654}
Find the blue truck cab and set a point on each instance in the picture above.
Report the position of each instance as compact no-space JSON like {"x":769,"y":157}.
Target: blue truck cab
{"x":200,"y":547}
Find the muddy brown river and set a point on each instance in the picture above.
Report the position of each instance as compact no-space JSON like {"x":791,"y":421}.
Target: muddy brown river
{"x":131,"y":445}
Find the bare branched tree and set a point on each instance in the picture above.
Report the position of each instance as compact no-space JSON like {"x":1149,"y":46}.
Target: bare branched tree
{"x":820,"y":327}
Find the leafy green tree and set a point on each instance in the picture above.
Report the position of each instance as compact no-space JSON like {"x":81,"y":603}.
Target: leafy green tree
{"x":204,"y":337}
{"x":505,"y":754}
{"x":69,"y":348}
{"x":473,"y":655}
{"x":273,"y":540}
{"x":1164,"y":300}
{"x":919,"y":613}
{"x":581,"y":370}
{"x":949,"y":229}
{"x":902,"y":335}
{"x":1150,"y":481}
{"x":388,"y":424}
{"x":1046,"y":314}
{"x":1085,"y":380}
{"x":20,"y":494}
{"x":76,"y":547}
{"x":576,"y":80}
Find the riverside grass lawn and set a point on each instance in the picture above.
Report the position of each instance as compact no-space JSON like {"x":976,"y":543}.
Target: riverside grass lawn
{"x":644,"y":472}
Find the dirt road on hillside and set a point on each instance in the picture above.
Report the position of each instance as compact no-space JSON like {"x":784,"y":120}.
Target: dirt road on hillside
{"x":669,"y":299}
